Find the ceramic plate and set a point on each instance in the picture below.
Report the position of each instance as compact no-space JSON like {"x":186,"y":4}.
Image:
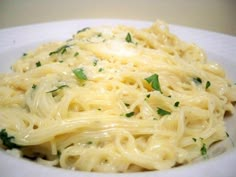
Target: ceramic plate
{"x":220,"y":48}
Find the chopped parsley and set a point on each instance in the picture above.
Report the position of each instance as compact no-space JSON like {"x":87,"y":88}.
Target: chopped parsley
{"x":61,"y":50}
{"x":38,"y":64}
{"x":203,"y":149}
{"x":34,"y":86}
{"x":89,"y":142}
{"x":126,"y":104}
{"x":194,"y":139}
{"x":197,"y":80}
{"x":154,"y":81}
{"x":208,"y":84}
{"x":128,"y":38}
{"x":24,"y":54}
{"x":227,"y":134}
{"x":176,"y":104}
{"x":79,"y":73}
{"x":100,"y":69}
{"x":99,"y":35}
{"x":58,"y":154}
{"x":130,"y":114}
{"x":76,"y":54}
{"x":95,"y":62}
{"x":82,"y":30}
{"x":162,"y":112}
{"x":148,"y":95}
{"x":7,"y":140}
{"x":59,"y":87}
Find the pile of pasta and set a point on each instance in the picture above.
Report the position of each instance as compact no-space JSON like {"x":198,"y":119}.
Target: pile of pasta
{"x":115,"y":99}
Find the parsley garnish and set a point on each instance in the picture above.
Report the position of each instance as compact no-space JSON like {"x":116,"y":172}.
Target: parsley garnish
{"x":128,"y":38}
{"x":154,"y":81}
{"x":59,"y":87}
{"x":148,"y":95}
{"x":7,"y":140}
{"x":100,"y":69}
{"x":95,"y":62}
{"x":194,"y":139}
{"x":197,"y":80}
{"x":176,"y":104}
{"x":38,"y":64}
{"x":76,"y":54}
{"x":79,"y":73}
{"x":203,"y":149}
{"x":82,"y":30}
{"x":58,"y":154}
{"x":126,"y":104}
{"x":61,"y":50}
{"x":99,"y":34}
{"x":130,"y":114}
{"x":208,"y":84}
{"x":227,"y":134}
{"x":162,"y":112}
{"x":34,"y":86}
{"x":89,"y":142}
{"x":24,"y":54}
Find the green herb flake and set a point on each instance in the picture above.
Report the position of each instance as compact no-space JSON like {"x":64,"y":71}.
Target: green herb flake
{"x":130,"y":114}
{"x":208,"y":84}
{"x":58,"y":88}
{"x":154,"y":81}
{"x":163,"y":112}
{"x":83,"y":30}
{"x":197,"y":80}
{"x":24,"y":54}
{"x":95,"y":62}
{"x":99,"y":35}
{"x":79,"y":73}
{"x":127,"y":105}
{"x":100,"y":69}
{"x":148,"y":95}
{"x":89,"y":142}
{"x":38,"y":64}
{"x":176,"y":104}
{"x":194,"y":139}
{"x":7,"y":140}
{"x":34,"y":86}
{"x":128,"y":38}
{"x":227,"y":134}
{"x":61,"y":50}
{"x":203,"y":149}
{"x":76,"y":54}
{"x":58,"y":154}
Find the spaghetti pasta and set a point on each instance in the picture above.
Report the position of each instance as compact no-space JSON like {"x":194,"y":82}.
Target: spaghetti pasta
{"x":115,"y":99}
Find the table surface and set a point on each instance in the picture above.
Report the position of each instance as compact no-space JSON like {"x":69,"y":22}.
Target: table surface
{"x":212,"y":15}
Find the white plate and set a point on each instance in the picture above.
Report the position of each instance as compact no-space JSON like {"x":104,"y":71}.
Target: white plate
{"x":219,"y":47}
